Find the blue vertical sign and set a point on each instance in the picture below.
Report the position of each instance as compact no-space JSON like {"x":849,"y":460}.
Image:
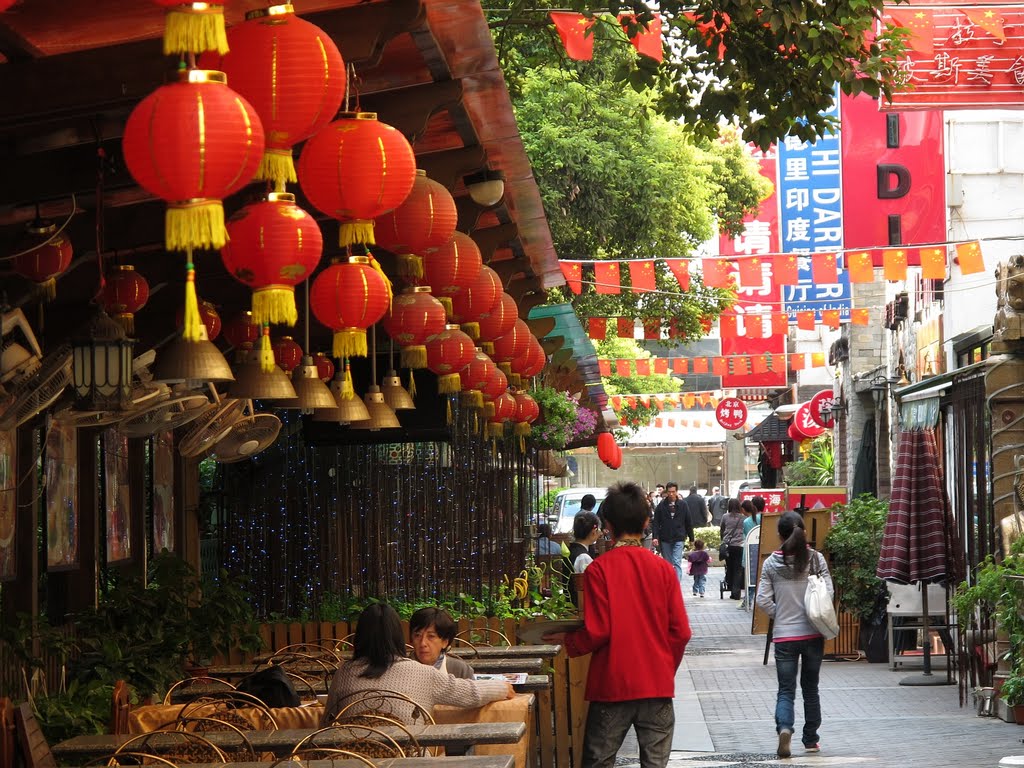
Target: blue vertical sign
{"x":811,"y":217}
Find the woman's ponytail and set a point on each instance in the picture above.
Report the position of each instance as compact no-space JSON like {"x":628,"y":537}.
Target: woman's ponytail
{"x":794,"y":541}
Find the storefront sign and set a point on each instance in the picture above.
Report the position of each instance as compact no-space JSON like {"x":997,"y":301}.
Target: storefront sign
{"x":731,"y":413}
{"x":821,"y":408}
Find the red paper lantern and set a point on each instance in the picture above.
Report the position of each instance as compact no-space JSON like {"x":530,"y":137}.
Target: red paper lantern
{"x":531,"y":362}
{"x":605,"y":446}
{"x":496,"y":385}
{"x":477,"y":300}
{"x":348,"y":297}
{"x":193,"y":27}
{"x":510,"y":346}
{"x":324,"y":367}
{"x":287,"y":353}
{"x":415,"y":318}
{"x":616,"y":461}
{"x":474,"y":377}
{"x":208,"y":316}
{"x":293,"y":75}
{"x":527,"y":410}
{"x":125,"y":292}
{"x":426,"y":220}
{"x":43,"y":255}
{"x":5,"y":4}
{"x":447,"y":354}
{"x":240,"y":330}
{"x":274,"y":246}
{"x":356,"y":169}
{"x":499,"y":321}
{"x":795,"y":434}
{"x":193,"y":143}
{"x":454,"y":266}
{"x":504,"y":408}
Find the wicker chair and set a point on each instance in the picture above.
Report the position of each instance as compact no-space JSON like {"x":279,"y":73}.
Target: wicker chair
{"x":175,"y":746}
{"x":362,"y":739}
{"x":381,"y":702}
{"x":411,"y":749}
{"x":35,"y":750}
{"x":483,"y":636}
{"x":242,"y":752}
{"x":322,"y":754}
{"x":189,"y":681}
{"x":224,"y":706}
{"x":131,"y":758}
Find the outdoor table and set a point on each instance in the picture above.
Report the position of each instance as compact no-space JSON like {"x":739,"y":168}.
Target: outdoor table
{"x":530,"y":665}
{"x":472,"y":761}
{"x":545,"y":651}
{"x":281,"y":743}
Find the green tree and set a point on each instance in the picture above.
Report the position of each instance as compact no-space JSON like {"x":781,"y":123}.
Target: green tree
{"x":628,"y":349}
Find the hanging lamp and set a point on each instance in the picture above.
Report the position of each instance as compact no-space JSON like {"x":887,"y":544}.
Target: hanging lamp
{"x":310,"y":391}
{"x":381,"y":415}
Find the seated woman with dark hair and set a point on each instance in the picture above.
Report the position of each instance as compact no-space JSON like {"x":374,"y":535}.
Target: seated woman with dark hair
{"x":379,"y":663}
{"x":431,"y":632}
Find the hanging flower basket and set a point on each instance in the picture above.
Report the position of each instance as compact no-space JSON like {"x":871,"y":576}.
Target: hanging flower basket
{"x":558,"y":419}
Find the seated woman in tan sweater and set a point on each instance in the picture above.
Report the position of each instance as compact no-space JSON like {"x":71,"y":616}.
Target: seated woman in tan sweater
{"x":379,"y":663}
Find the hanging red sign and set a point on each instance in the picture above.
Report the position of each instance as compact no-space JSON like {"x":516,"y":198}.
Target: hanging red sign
{"x":805,"y":423}
{"x":821,"y":408}
{"x":960,"y":57}
{"x":731,"y":413}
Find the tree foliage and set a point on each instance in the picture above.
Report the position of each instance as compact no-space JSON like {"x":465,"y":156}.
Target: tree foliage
{"x":628,"y":349}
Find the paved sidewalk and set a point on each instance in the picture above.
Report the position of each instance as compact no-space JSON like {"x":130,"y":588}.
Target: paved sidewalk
{"x":725,"y":703}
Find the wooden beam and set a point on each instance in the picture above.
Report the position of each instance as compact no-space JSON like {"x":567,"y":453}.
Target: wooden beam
{"x":410,"y":109}
{"x":490,"y":238}
{"x":448,"y":166}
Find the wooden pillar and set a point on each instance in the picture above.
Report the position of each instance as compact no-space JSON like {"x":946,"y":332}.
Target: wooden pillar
{"x":22,"y":595}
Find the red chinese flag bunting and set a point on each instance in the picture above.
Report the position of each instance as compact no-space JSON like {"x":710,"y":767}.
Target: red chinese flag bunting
{"x":830,"y":318}
{"x":751,"y":275}
{"x":760,"y":364}
{"x":805,"y":321}
{"x":643,"y":367}
{"x":753,"y":326}
{"x":606,"y":277}
{"x":622,"y":368}
{"x":780,"y":323}
{"x":921,"y":26}
{"x":658,"y":423}
{"x":616,"y":402}
{"x":933,"y":263}
{"x":785,"y":269}
{"x":859,"y":316}
{"x":625,"y":327}
{"x":894,"y":264}
{"x":719,"y":366}
{"x":969,"y":257}
{"x":681,"y":270}
{"x":646,"y":41}
{"x":823,"y":268}
{"x":689,"y":398}
{"x":604,"y":367}
{"x":597,"y":328}
{"x":797,"y":361}
{"x":700,"y":365}
{"x":573,"y":271}
{"x":574,"y":29}
{"x":817,"y":360}
{"x":652,"y":328}
{"x":727,"y":326}
{"x":641,"y":275}
{"x":679,"y":365}
{"x":987,"y":19}
{"x":716,"y":273}
{"x":660,"y":365}
{"x":860,"y":266}
{"x":741,"y":366}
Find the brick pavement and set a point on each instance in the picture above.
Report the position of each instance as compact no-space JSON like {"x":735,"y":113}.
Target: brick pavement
{"x":868,"y":718}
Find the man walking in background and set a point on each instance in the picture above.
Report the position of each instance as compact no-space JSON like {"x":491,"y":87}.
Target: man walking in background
{"x":718,"y":505}
{"x":696,"y":509}
{"x":671,"y":528}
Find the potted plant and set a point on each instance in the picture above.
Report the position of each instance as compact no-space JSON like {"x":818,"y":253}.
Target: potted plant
{"x":1013,"y":694}
{"x":558,"y":418}
{"x":854,"y":545}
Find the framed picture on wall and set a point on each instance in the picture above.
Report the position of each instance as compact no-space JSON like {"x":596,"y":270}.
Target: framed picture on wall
{"x":163,"y":491}
{"x":117,"y":496}
{"x":61,"y":476}
{"x":8,"y":504}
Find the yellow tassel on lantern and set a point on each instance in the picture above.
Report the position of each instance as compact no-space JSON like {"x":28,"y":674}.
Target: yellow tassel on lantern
{"x":446,"y":302}
{"x":127,"y":321}
{"x":274,"y":304}
{"x":348,"y":390}
{"x":414,"y":356}
{"x":495,"y":431}
{"x":350,"y":342}
{"x":449,"y":383}
{"x":412,"y":385}
{"x":472,"y":330}
{"x":410,"y":266}
{"x":487,"y":347}
{"x":195,"y":225}
{"x":277,"y":166}
{"x":356,"y":232}
{"x":516,"y":381}
{"x":194,"y":28}
{"x":192,"y":321}
{"x":523,"y":429}
{"x":505,"y":368}
{"x":448,"y":408}
{"x":266,"y":351}
{"x":488,"y":409}
{"x":472,"y":398}
{"x":47,"y":290}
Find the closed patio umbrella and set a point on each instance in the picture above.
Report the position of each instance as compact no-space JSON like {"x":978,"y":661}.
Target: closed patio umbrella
{"x":918,"y":531}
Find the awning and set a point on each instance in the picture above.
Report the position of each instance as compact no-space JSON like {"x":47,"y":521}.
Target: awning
{"x":771,"y":429}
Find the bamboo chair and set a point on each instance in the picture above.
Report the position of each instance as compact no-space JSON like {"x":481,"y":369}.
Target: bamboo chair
{"x":483,"y":636}
{"x":120,"y":705}
{"x":337,"y":647}
{"x":131,"y":758}
{"x":242,"y":753}
{"x":362,"y":739}
{"x":303,"y":687}
{"x":323,"y":754}
{"x":383,"y":702}
{"x":414,"y":748}
{"x":299,"y":663}
{"x":176,"y":746}
{"x":308,"y":650}
{"x":189,"y":681}
{"x":224,"y":706}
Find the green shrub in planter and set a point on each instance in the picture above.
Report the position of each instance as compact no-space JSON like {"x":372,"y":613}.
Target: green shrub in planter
{"x":711,"y":536}
{"x":854,"y":544}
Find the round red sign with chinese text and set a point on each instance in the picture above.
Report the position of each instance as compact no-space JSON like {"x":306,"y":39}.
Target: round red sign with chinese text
{"x":821,"y":408}
{"x":805,"y":423}
{"x":731,"y":413}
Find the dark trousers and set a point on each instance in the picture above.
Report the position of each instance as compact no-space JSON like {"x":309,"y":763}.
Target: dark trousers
{"x":607,"y":723}
{"x":734,"y":572}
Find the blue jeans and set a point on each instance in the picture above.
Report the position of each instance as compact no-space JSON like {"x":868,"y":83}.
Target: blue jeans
{"x":699,"y":583}
{"x":673,"y":552}
{"x":654,"y":720}
{"x":788,"y":657}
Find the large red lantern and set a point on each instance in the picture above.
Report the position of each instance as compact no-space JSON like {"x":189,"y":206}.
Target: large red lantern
{"x":125,"y":292}
{"x":42,"y":255}
{"x":454,"y":266}
{"x":795,"y":434}
{"x":477,"y":300}
{"x":605,"y":446}
{"x":426,"y":220}
{"x":356,"y":169}
{"x":498,"y":321}
{"x":447,"y":354}
{"x":209,"y":317}
{"x":527,"y":412}
{"x":193,"y":27}
{"x":531,"y":362}
{"x":241,"y":330}
{"x":324,"y":367}
{"x":348,"y":297}
{"x":415,"y":318}
{"x":510,"y":346}
{"x":293,"y":75}
{"x":474,"y":377}
{"x":495,"y":387}
{"x":287,"y":353}
{"x":193,"y":143}
{"x":616,"y":461}
{"x":274,"y":246}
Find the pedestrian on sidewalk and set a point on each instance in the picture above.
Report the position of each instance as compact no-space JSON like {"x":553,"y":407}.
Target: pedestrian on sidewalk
{"x":732,"y":537}
{"x":671,"y":528}
{"x":780,"y":594}
{"x":699,"y":559}
{"x":631,"y":681}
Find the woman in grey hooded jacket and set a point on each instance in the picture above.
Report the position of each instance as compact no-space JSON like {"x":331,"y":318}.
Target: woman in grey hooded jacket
{"x":780,"y":594}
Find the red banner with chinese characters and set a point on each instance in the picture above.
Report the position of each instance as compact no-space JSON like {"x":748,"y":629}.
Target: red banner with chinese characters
{"x":774,"y":499}
{"x":962,"y":56}
{"x":894,"y":186}
{"x":761,"y":235}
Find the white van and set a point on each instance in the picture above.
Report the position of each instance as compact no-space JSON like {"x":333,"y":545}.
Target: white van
{"x":567,"y":505}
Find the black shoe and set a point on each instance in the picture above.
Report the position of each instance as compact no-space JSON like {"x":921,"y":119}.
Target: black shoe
{"x":784,"y":739}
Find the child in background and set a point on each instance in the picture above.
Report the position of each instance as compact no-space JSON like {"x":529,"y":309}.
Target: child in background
{"x":699,"y":559}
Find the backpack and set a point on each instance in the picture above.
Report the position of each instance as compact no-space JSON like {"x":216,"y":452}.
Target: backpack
{"x":272,"y":687}
{"x":566,"y":569}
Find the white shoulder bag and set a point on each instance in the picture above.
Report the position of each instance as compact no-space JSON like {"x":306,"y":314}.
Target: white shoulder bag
{"x":818,"y":603}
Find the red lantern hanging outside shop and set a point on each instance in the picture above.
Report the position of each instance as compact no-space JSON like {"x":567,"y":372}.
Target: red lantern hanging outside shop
{"x":504,"y":410}
{"x":513,"y":344}
{"x":125,"y":292}
{"x":605,"y":446}
{"x":425,"y":221}
{"x":43,"y":254}
{"x":324,"y":367}
{"x":447,"y":354}
{"x":477,"y":300}
{"x":498,"y":321}
{"x":473,"y":379}
{"x":348,"y":297}
{"x":452,"y":267}
{"x":415,"y":318}
{"x":527,"y":412}
{"x":287,"y":353}
{"x":241,"y":330}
